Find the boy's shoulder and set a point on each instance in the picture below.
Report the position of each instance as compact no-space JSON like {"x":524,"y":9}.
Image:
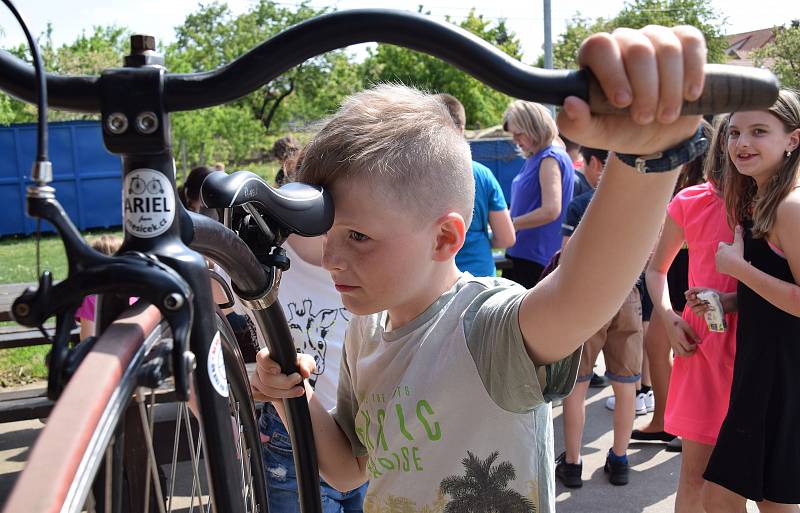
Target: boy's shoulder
{"x":464,"y":299}
{"x":473,"y":285}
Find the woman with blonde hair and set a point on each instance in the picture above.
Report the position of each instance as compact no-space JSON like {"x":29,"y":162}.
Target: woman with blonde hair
{"x":540,"y":192}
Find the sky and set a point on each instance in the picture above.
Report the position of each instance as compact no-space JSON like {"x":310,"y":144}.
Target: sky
{"x":524,"y":17}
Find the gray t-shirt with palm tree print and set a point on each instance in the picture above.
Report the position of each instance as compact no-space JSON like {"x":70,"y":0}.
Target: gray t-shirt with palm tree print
{"x":449,"y":409}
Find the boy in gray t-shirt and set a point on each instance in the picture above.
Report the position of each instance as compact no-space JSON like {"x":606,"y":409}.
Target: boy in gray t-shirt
{"x":444,"y":377}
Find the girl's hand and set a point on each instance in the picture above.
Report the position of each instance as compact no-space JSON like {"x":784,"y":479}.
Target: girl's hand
{"x":268,"y":383}
{"x":681,"y":336}
{"x":698,"y":307}
{"x":650,"y":71}
{"x":731,"y":256}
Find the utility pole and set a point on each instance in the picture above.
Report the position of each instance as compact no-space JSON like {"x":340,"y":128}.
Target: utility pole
{"x":548,"y":45}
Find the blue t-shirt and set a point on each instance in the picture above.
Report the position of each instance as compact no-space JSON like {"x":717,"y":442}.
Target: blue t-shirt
{"x":540,"y":243}
{"x":475,"y":257}
{"x":582,"y":185}
{"x":577,"y":207}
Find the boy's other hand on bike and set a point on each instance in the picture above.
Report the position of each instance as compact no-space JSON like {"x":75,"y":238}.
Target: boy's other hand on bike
{"x":268,"y":383}
{"x":650,"y":71}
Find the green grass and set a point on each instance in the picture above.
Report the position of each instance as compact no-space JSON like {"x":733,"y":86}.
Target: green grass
{"x":22,"y":365}
{"x":18,"y":256}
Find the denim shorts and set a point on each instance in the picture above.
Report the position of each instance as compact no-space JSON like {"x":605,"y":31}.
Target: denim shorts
{"x":282,"y":478}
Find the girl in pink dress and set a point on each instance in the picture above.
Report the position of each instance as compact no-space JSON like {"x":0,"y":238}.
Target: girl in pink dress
{"x":700,"y":385}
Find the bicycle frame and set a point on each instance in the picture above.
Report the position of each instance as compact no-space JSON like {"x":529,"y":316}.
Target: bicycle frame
{"x":135,"y":102}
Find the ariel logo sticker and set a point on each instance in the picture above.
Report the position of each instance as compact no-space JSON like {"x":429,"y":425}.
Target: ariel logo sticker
{"x":149,"y":204}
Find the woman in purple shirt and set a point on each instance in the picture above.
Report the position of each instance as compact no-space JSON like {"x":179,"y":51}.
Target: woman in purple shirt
{"x":540,"y":192}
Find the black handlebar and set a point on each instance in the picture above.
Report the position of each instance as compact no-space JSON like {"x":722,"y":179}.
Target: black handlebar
{"x":728,"y":88}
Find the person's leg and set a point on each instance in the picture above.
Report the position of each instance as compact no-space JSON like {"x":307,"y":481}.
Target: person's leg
{"x":657,"y":348}
{"x":574,"y":411}
{"x":645,"y":381}
{"x":694,"y":460}
{"x":276,"y":453}
{"x":624,"y":414}
{"x":718,"y":499}
{"x":574,"y":415}
{"x":623,"y":356}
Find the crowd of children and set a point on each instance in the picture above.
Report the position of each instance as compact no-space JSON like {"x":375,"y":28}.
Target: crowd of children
{"x":431,"y":388}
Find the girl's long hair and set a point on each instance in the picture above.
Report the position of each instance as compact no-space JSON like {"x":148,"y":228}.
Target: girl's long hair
{"x":692,"y":172}
{"x":714,"y":164}
{"x":743,"y":200}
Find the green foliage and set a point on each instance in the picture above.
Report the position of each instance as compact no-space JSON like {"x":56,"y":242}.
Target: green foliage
{"x":484,"y":106}
{"x":782,"y":56}
{"x":236,"y":133}
{"x":565,"y":50}
{"x":639,"y":13}
{"x":89,"y":54}
{"x":211,"y":37}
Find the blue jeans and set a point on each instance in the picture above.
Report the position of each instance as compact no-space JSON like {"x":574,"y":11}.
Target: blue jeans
{"x":282,"y":478}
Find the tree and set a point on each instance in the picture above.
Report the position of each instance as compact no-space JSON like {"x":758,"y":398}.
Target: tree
{"x":89,"y":54}
{"x":484,"y":488}
{"x":211,"y":37}
{"x":639,"y":13}
{"x":782,"y":56}
{"x":483,"y":105}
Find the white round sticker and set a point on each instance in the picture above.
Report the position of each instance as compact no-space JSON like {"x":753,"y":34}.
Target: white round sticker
{"x":216,"y":367}
{"x":148,"y":203}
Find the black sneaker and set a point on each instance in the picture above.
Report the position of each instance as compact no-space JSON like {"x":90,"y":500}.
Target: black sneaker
{"x":617,"y":471}
{"x":598,"y":381}
{"x":569,"y":473}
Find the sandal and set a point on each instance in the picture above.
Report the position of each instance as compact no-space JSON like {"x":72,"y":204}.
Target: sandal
{"x":655,"y":436}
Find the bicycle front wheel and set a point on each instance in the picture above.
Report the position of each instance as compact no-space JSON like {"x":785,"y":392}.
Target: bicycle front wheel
{"x":115,"y":443}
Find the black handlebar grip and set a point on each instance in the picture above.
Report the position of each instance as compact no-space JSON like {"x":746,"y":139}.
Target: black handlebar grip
{"x":726,"y":89}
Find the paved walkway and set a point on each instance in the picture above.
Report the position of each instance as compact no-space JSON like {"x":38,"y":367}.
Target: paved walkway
{"x":653,"y":482}
{"x":654,"y":472}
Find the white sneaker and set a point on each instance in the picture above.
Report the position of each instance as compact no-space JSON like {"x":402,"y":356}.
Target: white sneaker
{"x":650,"y":401}
{"x":639,"y":404}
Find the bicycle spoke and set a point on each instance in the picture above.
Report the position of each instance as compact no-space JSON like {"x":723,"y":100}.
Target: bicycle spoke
{"x":193,"y":453}
{"x":175,"y":448}
{"x":151,"y":459}
{"x":109,"y":475}
{"x":90,"y":503}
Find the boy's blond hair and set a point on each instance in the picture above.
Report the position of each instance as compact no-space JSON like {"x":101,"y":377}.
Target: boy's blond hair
{"x":403,"y":141}
{"x":532,"y":119}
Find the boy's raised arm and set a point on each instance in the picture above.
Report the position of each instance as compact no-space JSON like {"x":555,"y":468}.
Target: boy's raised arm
{"x":651,"y":71}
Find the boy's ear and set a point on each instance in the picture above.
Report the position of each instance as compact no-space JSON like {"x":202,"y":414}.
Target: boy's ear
{"x":450,"y":233}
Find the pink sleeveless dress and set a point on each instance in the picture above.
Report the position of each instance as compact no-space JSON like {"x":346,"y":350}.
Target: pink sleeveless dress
{"x":700,"y":386}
